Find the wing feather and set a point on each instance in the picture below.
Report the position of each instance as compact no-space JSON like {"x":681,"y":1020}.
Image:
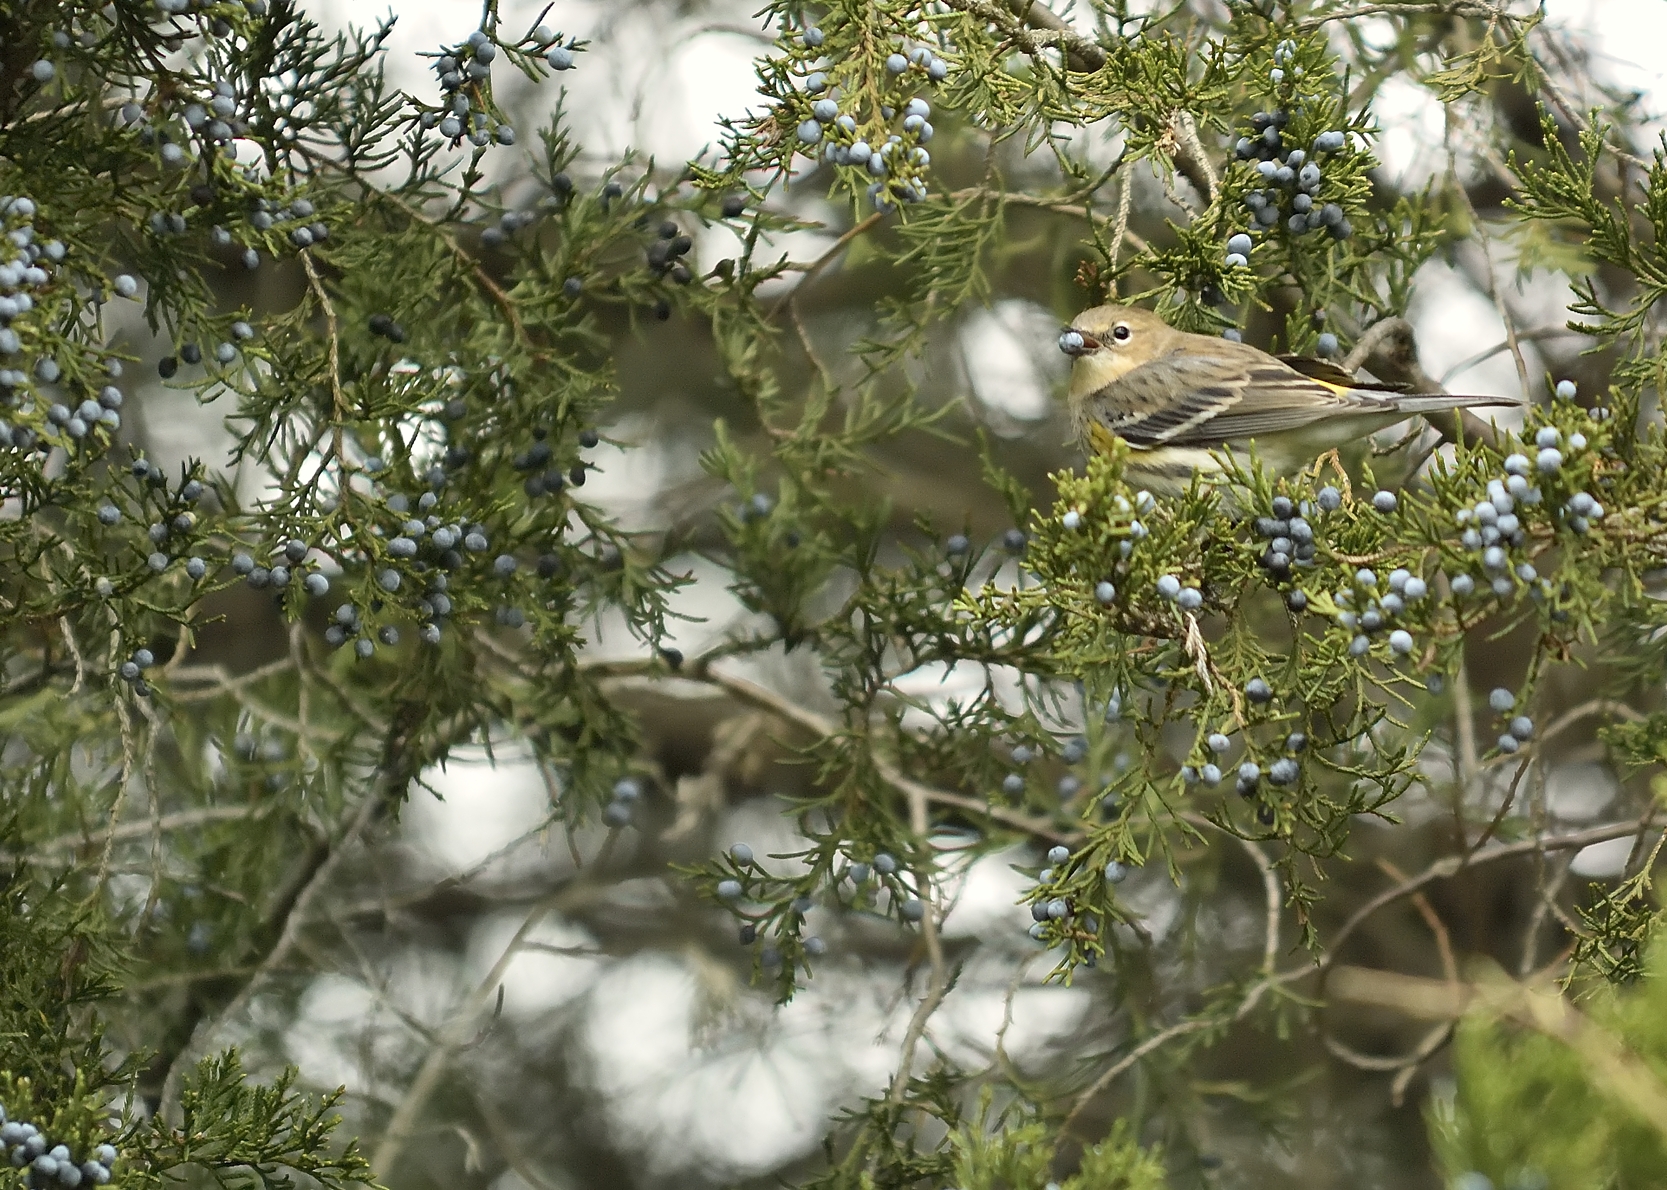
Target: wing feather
{"x":1329,"y":373}
{"x":1194,"y":399}
{"x":1166,"y":399}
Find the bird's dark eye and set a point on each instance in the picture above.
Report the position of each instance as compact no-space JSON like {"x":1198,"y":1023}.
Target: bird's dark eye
{"x":1121,"y":334}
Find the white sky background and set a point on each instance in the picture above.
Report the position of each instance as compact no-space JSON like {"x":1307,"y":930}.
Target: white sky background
{"x":658,"y":82}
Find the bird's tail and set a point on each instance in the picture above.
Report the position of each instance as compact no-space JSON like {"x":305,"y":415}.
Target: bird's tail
{"x":1440,"y":402}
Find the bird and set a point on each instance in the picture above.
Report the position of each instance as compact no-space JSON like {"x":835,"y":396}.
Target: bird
{"x":1174,"y":397}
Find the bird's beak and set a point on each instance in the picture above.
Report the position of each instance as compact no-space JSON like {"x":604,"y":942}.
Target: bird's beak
{"x":1074,"y":342}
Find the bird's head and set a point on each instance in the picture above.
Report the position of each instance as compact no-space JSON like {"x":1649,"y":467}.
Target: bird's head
{"x":1111,"y":332}
{"x":1108,"y":341}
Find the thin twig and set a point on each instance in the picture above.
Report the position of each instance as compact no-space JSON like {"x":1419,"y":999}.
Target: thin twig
{"x":1490,"y":276}
{"x":68,"y":634}
{"x":132,"y":830}
{"x":1529,"y":336}
{"x":1596,"y":706}
{"x":1439,"y":870}
{"x":1389,"y":348}
{"x":1543,"y":903}
{"x":1080,"y":53}
{"x":938,"y":978}
{"x":1120,"y":227}
{"x":218,"y":675}
{"x":1614,"y":1070}
{"x":1046,"y":29}
{"x":821,"y":262}
{"x":1273,"y":901}
{"x":767,"y":700}
{"x":461,"y":1029}
{"x":293,"y":920}
{"x":1455,"y":8}
{"x":374,"y":193}
{"x":1155,"y":1042}
{"x":1443,"y":869}
{"x":338,"y":398}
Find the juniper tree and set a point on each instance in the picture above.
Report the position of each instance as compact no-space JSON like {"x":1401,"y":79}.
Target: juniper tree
{"x":422,"y":325}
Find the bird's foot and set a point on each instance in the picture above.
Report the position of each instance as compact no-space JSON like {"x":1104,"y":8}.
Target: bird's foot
{"x":1336,"y":462}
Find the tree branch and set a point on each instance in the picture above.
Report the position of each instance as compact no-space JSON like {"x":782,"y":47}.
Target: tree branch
{"x":1389,"y":351}
{"x":1082,"y":54}
{"x":461,"y":1030}
{"x":287,"y":915}
{"x":768,"y":700}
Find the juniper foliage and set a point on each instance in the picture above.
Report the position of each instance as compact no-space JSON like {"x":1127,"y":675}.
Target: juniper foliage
{"x":419,"y":382}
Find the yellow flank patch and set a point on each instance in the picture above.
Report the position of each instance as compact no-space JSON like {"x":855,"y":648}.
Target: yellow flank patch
{"x":1104,"y":440}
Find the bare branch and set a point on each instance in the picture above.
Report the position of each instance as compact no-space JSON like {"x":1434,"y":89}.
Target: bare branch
{"x":938,"y":981}
{"x":1191,"y":159}
{"x":1390,"y":351}
{"x":758,"y":696}
{"x":462,"y":1029}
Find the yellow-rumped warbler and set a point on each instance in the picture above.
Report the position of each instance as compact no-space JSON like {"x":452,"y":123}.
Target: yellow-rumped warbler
{"x":1174,"y":397}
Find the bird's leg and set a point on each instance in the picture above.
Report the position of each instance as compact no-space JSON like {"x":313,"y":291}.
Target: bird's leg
{"x":1331,"y":457}
{"x":1412,"y":435}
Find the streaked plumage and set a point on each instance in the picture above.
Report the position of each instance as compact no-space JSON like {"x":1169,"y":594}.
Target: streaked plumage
{"x":1174,"y":397}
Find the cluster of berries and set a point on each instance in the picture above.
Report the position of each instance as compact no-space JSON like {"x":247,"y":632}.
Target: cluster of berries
{"x":1054,"y":908}
{"x":419,"y":544}
{"x":1290,"y":534}
{"x":731,"y":890}
{"x":279,"y":573}
{"x":27,"y":265}
{"x":465,"y":72}
{"x":50,"y":1164}
{"x":627,"y":792}
{"x":1371,"y":605}
{"x":302,"y":227}
{"x":173,"y":533}
{"x":211,"y":120}
{"x":910,"y":908}
{"x":77,"y":422}
{"x":132,"y":670}
{"x":509,"y":223}
{"x":665,"y":254}
{"x":897,"y":163}
{"x":298,"y":221}
{"x":1519,"y":729}
{"x":1068,"y":785}
{"x":1050,"y":909}
{"x":1493,"y":528}
{"x":1283,"y":772}
{"x":224,"y":353}
{"x":461,"y":73}
{"x":215,"y":122}
{"x":1188,"y":599}
{"x":547,"y":479}
{"x":350,"y":627}
{"x":1291,"y":180}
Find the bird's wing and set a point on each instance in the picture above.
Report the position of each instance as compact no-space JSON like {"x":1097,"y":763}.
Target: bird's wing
{"x":1205,"y":399}
{"x":1329,"y":373}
